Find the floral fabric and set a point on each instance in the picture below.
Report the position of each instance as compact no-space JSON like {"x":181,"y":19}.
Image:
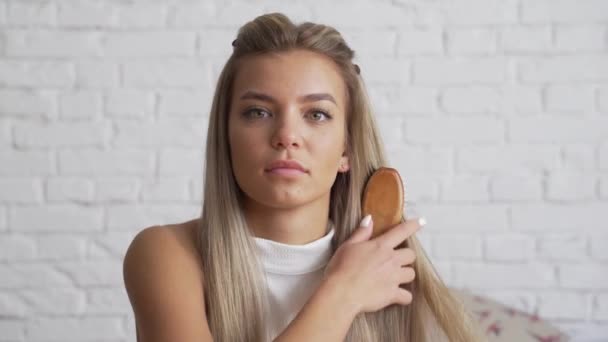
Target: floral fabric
{"x":504,"y":324}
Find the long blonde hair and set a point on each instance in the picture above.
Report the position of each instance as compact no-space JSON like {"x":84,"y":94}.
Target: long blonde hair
{"x":234,"y":287}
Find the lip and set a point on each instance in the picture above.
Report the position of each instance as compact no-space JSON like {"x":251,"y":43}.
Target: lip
{"x":286,"y":164}
{"x":286,"y":173}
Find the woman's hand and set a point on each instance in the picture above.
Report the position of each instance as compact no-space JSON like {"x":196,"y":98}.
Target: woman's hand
{"x":369,"y":272}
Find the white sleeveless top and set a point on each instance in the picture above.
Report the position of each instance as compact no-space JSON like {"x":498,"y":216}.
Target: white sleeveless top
{"x":293,"y":274}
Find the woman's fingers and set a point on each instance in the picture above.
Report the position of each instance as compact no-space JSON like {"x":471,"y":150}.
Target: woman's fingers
{"x":399,"y":233}
{"x":404,"y":256}
{"x":403,"y":297}
{"x":406,"y":275}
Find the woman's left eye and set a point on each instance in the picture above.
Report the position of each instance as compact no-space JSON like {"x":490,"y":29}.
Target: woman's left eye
{"x":315,"y":111}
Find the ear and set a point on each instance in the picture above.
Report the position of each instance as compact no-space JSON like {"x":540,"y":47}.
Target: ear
{"x":344,"y":164}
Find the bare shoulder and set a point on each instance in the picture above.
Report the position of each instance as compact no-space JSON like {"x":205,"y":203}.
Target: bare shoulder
{"x":163,"y":277}
{"x":169,"y":244}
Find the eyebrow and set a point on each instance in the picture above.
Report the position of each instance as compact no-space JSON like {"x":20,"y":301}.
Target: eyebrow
{"x":305,"y":98}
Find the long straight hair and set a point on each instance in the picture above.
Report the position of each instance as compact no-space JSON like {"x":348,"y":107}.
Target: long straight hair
{"x":233,"y":278}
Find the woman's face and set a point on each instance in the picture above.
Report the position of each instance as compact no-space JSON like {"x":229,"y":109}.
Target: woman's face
{"x":289,"y":106}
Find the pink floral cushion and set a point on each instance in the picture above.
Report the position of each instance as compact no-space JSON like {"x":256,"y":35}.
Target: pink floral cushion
{"x":504,"y":324}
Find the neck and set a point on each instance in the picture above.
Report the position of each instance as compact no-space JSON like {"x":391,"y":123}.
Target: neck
{"x":294,"y":226}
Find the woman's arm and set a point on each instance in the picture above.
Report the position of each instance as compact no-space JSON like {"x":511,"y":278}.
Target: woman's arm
{"x":164,"y":285}
{"x":326,"y":316}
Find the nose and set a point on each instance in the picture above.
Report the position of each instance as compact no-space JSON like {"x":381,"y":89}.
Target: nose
{"x":286,"y":132}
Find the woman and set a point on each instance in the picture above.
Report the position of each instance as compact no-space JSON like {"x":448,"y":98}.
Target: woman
{"x":279,"y":252}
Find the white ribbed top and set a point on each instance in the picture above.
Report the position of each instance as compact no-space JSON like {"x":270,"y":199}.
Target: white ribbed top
{"x":282,"y":258}
{"x":293,"y":273}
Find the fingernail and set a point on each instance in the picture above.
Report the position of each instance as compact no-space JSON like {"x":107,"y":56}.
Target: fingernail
{"x":422,"y":221}
{"x":366,"y":221}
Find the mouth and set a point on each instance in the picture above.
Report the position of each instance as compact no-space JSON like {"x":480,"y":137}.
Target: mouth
{"x":286,"y":172}
{"x":286,"y":164}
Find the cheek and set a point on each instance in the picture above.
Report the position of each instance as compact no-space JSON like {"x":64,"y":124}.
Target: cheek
{"x":236,"y":141}
{"x":236,"y":137}
{"x":244,"y":146}
{"x":329,"y":147}
{"x":331,"y":140}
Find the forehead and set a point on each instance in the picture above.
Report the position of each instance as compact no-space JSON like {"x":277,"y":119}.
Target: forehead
{"x":288,"y":75}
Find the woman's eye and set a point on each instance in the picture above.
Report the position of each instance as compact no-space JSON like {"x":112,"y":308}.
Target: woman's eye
{"x":317,"y":114}
{"x":255,"y":110}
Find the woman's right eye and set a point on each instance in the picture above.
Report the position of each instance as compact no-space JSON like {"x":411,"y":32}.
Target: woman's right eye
{"x":254,"y":110}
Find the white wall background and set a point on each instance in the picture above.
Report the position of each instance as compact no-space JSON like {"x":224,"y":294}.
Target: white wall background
{"x":495,"y":111}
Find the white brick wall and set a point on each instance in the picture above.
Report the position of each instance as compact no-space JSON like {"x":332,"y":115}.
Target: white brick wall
{"x":494,"y":111}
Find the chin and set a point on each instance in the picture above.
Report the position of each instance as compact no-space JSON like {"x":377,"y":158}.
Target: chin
{"x":279,"y":197}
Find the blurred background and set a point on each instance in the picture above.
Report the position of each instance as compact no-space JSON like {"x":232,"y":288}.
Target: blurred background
{"x":495,"y":112}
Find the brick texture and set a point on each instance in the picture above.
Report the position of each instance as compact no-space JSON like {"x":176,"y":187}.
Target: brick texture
{"x":494,"y":111}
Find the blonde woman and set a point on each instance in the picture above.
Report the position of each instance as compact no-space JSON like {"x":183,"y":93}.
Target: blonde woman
{"x":280,"y":252}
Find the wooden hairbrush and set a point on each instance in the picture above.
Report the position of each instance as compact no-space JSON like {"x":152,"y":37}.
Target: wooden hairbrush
{"x":383,"y":198}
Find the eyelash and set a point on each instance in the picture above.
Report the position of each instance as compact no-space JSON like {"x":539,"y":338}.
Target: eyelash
{"x":313,"y":110}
